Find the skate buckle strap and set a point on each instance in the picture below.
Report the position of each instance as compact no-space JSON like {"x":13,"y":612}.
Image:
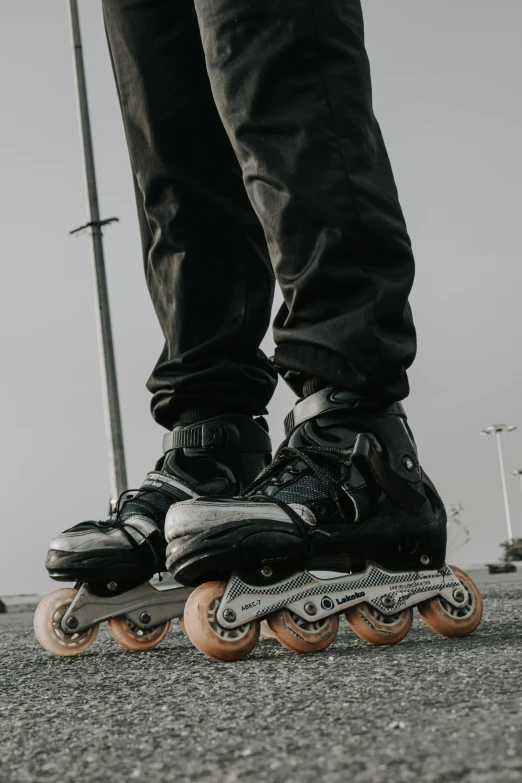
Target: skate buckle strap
{"x":208,"y":436}
{"x":370,"y":464}
{"x":329,"y":399}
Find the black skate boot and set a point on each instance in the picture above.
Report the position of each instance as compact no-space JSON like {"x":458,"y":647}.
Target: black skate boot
{"x":219,"y":455}
{"x":345,"y":487}
{"x":343,"y":520}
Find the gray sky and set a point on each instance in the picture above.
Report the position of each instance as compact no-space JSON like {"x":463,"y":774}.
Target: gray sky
{"x":447,"y":93}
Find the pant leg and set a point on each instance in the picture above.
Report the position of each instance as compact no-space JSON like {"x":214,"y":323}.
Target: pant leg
{"x":206,"y":260}
{"x":292,"y":84}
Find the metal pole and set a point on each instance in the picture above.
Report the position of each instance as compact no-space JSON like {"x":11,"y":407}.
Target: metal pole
{"x":117,"y":471}
{"x":504,"y":486}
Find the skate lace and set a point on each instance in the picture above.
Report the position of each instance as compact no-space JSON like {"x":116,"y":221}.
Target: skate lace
{"x":317,"y":458}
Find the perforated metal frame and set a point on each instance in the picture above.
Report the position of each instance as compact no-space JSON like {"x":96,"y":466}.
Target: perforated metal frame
{"x":389,"y":592}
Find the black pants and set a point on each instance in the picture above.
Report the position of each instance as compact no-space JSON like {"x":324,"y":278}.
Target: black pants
{"x":256,"y":153}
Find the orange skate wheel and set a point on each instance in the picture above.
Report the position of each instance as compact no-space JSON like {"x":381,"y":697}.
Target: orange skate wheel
{"x":204,"y":631}
{"x":48,"y":629}
{"x":448,"y":620}
{"x":303,"y":636}
{"x":182,"y":625}
{"x":377,"y":628}
{"x":133,"y":638}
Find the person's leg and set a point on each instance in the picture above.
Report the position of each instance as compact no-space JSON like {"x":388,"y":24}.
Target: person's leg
{"x":346,"y":491}
{"x":206,"y":261}
{"x":292,"y":84}
{"x":211,"y":283}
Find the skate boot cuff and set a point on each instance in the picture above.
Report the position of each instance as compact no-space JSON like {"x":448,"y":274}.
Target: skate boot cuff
{"x":374,"y":469}
{"x":330,"y":399}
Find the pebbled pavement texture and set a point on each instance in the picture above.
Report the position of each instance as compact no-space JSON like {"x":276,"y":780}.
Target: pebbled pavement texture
{"x":429,"y":709}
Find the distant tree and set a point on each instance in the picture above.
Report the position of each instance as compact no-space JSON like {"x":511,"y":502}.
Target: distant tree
{"x":512,"y":549}
{"x":458,"y":532}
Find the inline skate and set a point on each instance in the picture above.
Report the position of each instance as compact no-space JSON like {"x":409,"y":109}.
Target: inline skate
{"x":113,"y":561}
{"x":344,"y":520}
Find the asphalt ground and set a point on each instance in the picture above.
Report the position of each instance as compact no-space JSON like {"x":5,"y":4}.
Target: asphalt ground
{"x":429,"y":709}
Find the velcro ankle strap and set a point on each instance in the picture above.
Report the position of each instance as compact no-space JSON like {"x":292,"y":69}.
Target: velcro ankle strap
{"x":199,"y":436}
{"x":329,"y":399}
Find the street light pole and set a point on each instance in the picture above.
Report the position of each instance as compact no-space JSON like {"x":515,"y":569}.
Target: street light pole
{"x":497,"y":430}
{"x":117,"y":471}
{"x":504,"y":486}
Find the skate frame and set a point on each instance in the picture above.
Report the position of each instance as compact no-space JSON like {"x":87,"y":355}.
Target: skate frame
{"x":312,"y":597}
{"x":138,"y":604}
